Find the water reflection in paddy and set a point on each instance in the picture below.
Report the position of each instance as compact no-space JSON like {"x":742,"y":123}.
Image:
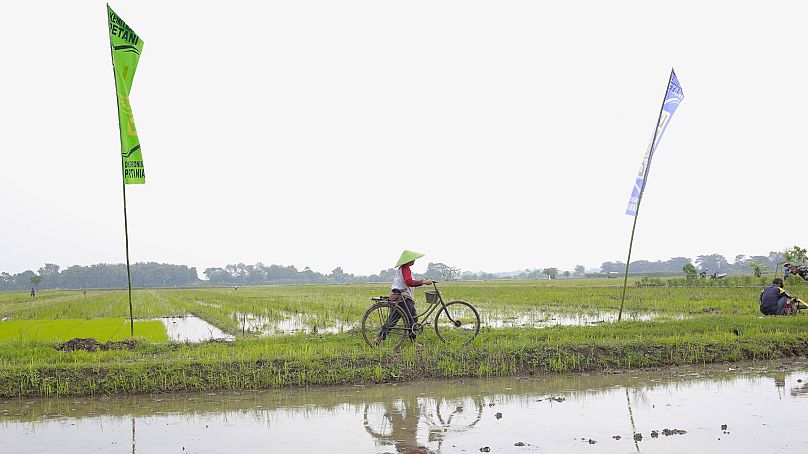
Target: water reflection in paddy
{"x":764,"y":410}
{"x":191,"y":329}
{"x":542,"y":319}
{"x":289,"y":323}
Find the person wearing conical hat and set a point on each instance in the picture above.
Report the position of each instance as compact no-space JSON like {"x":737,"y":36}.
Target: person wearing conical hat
{"x":401,"y":291}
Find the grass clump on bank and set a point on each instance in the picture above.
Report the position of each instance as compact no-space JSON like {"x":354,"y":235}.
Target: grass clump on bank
{"x":37,"y":369}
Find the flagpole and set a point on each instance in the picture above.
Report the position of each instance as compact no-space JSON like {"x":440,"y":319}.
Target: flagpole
{"x":128,"y":272}
{"x":642,"y":191}
{"x":123,"y":184}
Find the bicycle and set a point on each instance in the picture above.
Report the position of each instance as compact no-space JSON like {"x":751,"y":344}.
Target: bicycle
{"x":398,"y":421}
{"x":456,"y":322}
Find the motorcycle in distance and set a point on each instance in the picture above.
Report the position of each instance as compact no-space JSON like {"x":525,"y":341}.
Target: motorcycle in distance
{"x":714,"y":275}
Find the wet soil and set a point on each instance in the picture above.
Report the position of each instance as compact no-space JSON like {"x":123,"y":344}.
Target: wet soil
{"x":90,"y":344}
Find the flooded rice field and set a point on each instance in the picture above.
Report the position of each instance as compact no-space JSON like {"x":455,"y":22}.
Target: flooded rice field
{"x":312,"y":324}
{"x":191,"y":329}
{"x":290,"y":324}
{"x":739,"y":408}
{"x":543,"y":319}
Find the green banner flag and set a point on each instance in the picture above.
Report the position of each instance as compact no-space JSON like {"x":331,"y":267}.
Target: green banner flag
{"x":126,"y":47}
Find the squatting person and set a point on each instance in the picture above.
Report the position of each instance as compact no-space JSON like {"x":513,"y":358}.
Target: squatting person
{"x":774,"y":299}
{"x":401,"y":292}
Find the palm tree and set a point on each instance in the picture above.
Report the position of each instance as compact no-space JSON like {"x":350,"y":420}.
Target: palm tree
{"x":758,"y":268}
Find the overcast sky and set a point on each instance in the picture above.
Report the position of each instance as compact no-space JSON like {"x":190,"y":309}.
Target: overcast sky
{"x":490,"y":135}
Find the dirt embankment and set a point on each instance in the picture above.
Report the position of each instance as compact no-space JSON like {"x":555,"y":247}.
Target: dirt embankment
{"x":90,"y":344}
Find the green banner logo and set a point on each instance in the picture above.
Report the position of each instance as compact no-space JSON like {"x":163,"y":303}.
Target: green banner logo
{"x":126,"y":47}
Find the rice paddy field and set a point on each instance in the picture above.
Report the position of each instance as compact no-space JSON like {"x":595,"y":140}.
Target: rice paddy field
{"x":279,"y":336}
{"x":103,"y":330}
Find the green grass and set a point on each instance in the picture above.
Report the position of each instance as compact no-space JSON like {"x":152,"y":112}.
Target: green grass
{"x":37,"y":369}
{"x":102,"y":329}
{"x":696,"y":326}
{"x":329,"y":305}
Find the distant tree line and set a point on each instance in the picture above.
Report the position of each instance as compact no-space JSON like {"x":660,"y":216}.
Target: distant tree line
{"x":742,"y":264}
{"x":102,"y":275}
{"x":150,"y":275}
{"x":258,"y":274}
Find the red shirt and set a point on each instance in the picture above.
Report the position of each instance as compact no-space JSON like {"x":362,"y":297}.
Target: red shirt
{"x":405,"y":271}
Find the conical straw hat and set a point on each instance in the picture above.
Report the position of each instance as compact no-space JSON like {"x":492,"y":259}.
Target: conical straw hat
{"x":407,"y":257}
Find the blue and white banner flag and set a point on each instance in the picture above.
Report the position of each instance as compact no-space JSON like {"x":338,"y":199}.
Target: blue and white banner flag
{"x":673,"y":97}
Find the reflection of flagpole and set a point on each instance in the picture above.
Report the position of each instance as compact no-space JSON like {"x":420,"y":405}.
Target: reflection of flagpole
{"x":123,"y":182}
{"x":133,"y":435}
{"x":631,"y":418}
{"x":642,"y":190}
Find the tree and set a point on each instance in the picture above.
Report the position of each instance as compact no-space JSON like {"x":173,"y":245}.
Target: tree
{"x":758,"y":268}
{"x":50,"y":274}
{"x":216,"y":275}
{"x":338,"y":275}
{"x":437,"y":271}
{"x":776,"y":258}
{"x":610,"y":267}
{"x":22,"y":280}
{"x":675,"y":264}
{"x":36,"y":280}
{"x":580,"y":270}
{"x":551,"y":272}
{"x":715,"y":262}
{"x":451,"y":273}
{"x":795,"y":255}
{"x":535,"y":274}
{"x":566,"y":274}
{"x":690,"y":271}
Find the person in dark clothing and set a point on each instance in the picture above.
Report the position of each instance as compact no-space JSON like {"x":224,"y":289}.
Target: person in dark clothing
{"x":795,"y":270}
{"x":773,"y":299}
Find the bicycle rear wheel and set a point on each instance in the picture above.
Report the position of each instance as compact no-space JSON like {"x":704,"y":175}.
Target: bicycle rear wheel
{"x":457,"y":323}
{"x":379,"y":316}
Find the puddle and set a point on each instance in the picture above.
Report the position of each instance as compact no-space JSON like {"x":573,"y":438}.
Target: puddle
{"x":290,"y":324}
{"x":191,"y":329}
{"x":755,"y":409}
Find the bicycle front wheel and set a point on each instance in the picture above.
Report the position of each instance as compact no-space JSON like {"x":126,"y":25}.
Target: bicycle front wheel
{"x":457,"y":323}
{"x":385,"y":325}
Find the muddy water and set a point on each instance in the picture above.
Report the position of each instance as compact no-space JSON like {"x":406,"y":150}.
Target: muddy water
{"x":764,"y":408}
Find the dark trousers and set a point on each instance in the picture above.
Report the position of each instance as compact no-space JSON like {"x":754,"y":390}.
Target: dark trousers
{"x":408,"y":306}
{"x":770,"y":310}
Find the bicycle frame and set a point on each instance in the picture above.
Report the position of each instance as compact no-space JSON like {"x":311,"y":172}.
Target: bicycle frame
{"x":432,"y":306}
